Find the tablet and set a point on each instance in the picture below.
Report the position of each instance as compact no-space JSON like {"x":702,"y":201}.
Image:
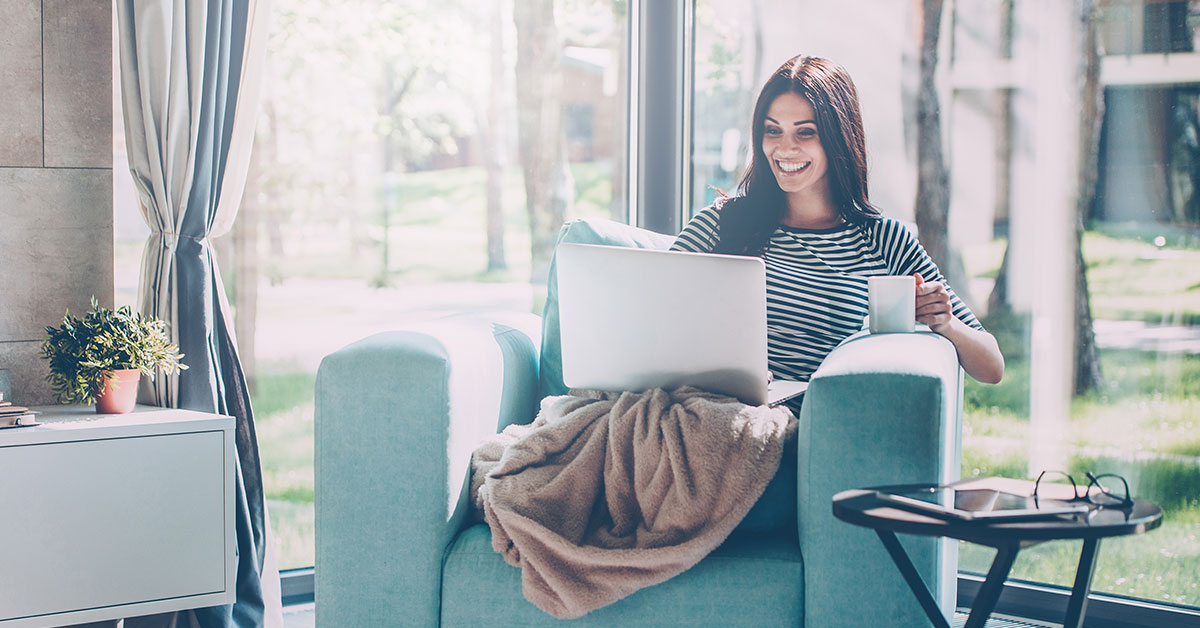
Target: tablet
{"x":979,"y":504}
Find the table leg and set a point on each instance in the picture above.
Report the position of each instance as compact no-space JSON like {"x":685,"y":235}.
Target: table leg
{"x":1077,"y":606}
{"x":989,"y":594}
{"x":919,"y":589}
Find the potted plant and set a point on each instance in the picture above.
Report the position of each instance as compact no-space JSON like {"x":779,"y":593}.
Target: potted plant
{"x":100,"y":358}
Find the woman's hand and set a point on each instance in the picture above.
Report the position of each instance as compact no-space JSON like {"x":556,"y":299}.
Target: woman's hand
{"x":933,"y":304}
{"x":978,"y":352}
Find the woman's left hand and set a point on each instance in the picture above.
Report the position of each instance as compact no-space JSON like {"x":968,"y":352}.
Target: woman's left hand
{"x":933,"y":304}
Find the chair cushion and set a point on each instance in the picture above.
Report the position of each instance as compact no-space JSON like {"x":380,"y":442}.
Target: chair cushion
{"x":751,"y":580}
{"x":582,"y":231}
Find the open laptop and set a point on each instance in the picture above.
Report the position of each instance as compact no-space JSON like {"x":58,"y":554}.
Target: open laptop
{"x":635,"y":319}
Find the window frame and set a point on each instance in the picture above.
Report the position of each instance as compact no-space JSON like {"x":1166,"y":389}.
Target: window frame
{"x":1047,"y":603}
{"x":660,"y":113}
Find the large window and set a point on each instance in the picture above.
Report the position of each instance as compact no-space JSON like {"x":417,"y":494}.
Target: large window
{"x":412,"y":159}
{"x":1126,"y":401}
{"x":397,"y":176}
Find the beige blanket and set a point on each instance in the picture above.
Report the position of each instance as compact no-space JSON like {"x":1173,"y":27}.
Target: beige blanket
{"x":604,"y":494}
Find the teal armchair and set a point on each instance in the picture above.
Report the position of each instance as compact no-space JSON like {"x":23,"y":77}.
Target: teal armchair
{"x":398,"y":415}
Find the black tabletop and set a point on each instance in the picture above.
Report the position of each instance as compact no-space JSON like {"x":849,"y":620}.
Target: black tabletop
{"x":861,"y":507}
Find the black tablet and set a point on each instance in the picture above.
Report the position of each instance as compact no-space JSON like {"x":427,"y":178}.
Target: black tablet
{"x":979,"y":504}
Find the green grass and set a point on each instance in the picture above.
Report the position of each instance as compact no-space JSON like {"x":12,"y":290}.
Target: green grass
{"x":1160,"y":565}
{"x":1130,"y":277}
{"x":1142,"y":423}
{"x":283,"y":404}
{"x":1149,"y":406}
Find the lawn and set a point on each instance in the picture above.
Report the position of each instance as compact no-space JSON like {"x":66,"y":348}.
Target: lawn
{"x":1143,"y":427}
{"x":1142,"y":423}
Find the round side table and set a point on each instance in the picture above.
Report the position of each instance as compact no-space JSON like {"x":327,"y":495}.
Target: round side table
{"x":860,"y":507}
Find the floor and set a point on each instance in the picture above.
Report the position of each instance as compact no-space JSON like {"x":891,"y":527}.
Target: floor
{"x":303,"y":616}
{"x":300,"y":616}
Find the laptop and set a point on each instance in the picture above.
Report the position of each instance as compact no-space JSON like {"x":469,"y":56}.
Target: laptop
{"x":635,"y":319}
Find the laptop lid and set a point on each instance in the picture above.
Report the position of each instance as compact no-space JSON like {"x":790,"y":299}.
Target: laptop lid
{"x":635,"y":319}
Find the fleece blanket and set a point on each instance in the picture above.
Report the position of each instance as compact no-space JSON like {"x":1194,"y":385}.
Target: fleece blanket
{"x":604,"y":494}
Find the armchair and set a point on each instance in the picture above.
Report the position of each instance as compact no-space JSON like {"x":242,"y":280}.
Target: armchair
{"x":398,"y":415}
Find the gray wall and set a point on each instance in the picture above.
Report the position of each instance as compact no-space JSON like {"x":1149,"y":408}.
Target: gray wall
{"x":56,"y":218}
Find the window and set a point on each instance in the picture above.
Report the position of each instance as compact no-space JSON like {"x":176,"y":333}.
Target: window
{"x":389,"y":185}
{"x":1005,"y":148}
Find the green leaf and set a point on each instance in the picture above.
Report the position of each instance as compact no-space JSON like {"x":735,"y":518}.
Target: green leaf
{"x":81,"y":351}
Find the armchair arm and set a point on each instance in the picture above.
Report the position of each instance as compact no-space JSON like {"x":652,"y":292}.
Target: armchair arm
{"x":397,"y":417}
{"x":881,"y":409}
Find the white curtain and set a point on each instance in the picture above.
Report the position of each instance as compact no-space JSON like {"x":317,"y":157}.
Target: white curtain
{"x":190,"y":73}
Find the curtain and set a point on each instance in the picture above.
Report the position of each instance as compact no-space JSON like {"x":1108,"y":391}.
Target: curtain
{"x":190,"y":73}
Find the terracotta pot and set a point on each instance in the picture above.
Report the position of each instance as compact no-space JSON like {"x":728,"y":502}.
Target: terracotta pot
{"x":120,"y":392}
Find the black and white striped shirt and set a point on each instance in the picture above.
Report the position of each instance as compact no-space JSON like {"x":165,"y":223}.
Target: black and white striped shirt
{"x":817,"y":283}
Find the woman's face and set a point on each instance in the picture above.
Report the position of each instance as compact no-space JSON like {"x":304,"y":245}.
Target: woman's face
{"x":792,"y":145}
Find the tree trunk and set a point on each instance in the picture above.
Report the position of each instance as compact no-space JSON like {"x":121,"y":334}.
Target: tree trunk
{"x":492,"y":150}
{"x":998,"y":299}
{"x":1087,"y":361}
{"x":933,"y":181}
{"x":390,"y":179}
{"x":618,"y":177}
{"x":549,"y":186}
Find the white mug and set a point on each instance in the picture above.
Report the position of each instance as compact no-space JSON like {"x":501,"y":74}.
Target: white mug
{"x":892,"y":303}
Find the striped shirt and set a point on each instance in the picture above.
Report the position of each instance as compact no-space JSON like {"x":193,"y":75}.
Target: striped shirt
{"x":817,"y":283}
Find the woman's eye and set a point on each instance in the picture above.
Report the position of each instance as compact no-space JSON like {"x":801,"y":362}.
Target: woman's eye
{"x":806,"y":133}
{"x":772,"y":131}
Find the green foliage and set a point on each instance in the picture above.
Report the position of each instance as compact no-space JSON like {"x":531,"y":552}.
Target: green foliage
{"x":83,"y":351}
{"x":281,"y":388}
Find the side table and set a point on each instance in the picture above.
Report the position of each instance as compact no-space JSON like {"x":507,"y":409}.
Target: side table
{"x":860,"y":507}
{"x":115,"y":515}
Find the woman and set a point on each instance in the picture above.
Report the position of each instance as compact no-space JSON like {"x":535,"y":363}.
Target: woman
{"x":802,"y":206}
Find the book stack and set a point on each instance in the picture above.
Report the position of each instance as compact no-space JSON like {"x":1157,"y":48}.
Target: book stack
{"x":15,"y":416}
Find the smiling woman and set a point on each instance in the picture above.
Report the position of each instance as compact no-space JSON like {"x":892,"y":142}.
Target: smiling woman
{"x":808,"y":216}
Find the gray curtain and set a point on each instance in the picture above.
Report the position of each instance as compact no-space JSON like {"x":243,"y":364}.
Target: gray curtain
{"x":189,"y":76}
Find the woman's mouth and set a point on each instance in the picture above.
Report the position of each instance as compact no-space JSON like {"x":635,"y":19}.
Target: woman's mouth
{"x":792,"y":167}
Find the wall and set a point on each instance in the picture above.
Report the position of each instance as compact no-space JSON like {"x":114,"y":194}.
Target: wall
{"x":56,"y":218}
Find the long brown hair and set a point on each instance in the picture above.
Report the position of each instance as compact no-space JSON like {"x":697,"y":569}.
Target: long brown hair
{"x":749,"y":218}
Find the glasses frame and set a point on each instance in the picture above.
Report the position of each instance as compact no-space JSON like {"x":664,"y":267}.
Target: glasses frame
{"x":1119,"y":501}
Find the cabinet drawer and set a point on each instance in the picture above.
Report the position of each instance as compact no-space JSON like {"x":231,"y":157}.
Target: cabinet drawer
{"x":93,"y":524}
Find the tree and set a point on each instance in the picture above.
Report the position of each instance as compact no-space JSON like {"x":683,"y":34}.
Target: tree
{"x":549,"y":185}
{"x":933,"y":180}
{"x":618,"y":177}
{"x":489,"y":133}
{"x":1087,"y":362}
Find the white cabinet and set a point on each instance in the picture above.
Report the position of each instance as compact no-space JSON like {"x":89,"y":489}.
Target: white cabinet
{"x":109,"y":516}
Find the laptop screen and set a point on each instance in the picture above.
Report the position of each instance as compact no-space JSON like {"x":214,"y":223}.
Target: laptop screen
{"x":634,"y":319}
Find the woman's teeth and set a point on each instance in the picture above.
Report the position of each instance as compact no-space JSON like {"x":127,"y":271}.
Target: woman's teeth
{"x":792,"y":166}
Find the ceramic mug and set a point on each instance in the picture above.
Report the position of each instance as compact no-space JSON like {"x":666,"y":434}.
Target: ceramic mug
{"x":892,"y":303}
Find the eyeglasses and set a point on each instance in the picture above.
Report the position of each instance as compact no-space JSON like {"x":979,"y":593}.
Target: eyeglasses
{"x":1102,"y":496}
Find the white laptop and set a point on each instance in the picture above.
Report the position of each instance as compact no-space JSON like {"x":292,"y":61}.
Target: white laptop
{"x":635,"y":319}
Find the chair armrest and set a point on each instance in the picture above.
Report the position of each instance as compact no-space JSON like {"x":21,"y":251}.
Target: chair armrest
{"x":397,"y":417}
{"x":882,"y":409}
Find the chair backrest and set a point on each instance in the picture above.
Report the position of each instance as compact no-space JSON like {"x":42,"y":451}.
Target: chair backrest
{"x":582,"y":231}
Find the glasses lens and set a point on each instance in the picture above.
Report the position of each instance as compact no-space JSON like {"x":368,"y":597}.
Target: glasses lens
{"x":1108,"y":490}
{"x":1053,"y":485}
